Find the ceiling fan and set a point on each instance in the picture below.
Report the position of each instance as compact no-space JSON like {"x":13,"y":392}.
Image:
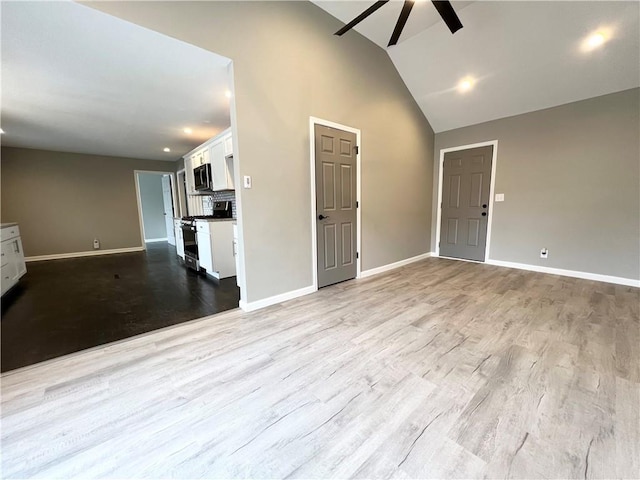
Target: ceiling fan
{"x":445,"y":9}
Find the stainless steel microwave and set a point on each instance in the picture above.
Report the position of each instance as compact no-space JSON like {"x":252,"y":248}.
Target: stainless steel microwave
{"x":202,"y":178}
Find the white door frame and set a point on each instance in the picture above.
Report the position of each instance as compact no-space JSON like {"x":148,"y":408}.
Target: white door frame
{"x":494,"y":160}
{"x":139,"y":199}
{"x":313,"y":121}
{"x":180,"y":194}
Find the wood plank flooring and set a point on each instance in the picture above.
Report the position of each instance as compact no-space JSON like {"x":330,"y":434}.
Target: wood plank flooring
{"x":440,"y":369}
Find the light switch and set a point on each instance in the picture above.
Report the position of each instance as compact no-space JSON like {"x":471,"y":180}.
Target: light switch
{"x":499,"y":197}
{"x":247,"y":181}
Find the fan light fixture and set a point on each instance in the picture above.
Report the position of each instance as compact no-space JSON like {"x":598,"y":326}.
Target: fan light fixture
{"x":444,"y":8}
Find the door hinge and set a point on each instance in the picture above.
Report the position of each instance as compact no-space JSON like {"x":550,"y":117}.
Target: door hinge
{"x":357,"y":204}
{"x":357,"y":149}
{"x":357,"y":254}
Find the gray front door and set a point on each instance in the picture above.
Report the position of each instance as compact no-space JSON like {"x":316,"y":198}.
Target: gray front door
{"x":466,"y":180}
{"x":335,"y":204}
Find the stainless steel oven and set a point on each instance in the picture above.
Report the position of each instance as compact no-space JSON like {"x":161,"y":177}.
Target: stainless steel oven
{"x":190,"y":241}
{"x":189,"y":231}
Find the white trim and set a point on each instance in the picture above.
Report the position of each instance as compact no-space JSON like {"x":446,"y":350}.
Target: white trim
{"x":630,"y":282}
{"x":494,"y":161}
{"x":179,"y":194}
{"x":91,"y":253}
{"x":151,"y":240}
{"x":312,"y":162}
{"x":283,"y":297}
{"x":391,"y":266}
{"x":173,"y":182}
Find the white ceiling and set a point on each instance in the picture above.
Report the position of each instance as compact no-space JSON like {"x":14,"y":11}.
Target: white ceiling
{"x":78,"y":80}
{"x":525,"y":55}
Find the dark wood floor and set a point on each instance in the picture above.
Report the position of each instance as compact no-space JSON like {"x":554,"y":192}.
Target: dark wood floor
{"x":64,"y":306}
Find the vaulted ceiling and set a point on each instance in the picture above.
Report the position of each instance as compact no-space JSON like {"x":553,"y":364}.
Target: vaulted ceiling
{"x":520,"y":56}
{"x":69,"y":72}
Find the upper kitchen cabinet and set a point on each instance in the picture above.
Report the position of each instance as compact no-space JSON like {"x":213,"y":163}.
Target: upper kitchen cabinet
{"x":218,"y":152}
{"x":228,"y":145}
{"x":221,"y":167}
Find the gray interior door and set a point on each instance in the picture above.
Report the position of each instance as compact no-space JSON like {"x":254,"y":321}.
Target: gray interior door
{"x":335,"y":204}
{"x":466,"y":180}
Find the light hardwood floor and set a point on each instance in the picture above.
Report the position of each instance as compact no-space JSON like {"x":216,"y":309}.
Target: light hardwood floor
{"x":440,"y":369}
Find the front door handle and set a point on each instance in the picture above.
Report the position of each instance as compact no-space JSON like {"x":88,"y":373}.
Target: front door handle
{"x":322,"y":217}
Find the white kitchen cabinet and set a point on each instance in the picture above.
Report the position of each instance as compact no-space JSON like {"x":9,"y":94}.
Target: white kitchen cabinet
{"x":177,"y":228}
{"x":235,"y":252}
{"x":188,"y":174}
{"x":13,"y":266}
{"x":228,"y":144}
{"x":217,"y":151}
{"x":215,"y":248}
{"x":205,"y":254}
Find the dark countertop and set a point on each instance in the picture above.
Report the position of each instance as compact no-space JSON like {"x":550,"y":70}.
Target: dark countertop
{"x":215,"y":219}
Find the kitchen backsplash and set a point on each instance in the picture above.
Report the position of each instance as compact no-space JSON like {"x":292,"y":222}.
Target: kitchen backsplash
{"x":207,"y":201}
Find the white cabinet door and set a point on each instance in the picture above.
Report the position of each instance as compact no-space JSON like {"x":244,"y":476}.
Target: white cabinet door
{"x":18,"y":258}
{"x":13,"y":266}
{"x":179,"y":242}
{"x":204,"y":251}
{"x":188,"y":170}
{"x":228,"y":145}
{"x":235,"y":254}
{"x":222,"y":248}
{"x":218,"y":166}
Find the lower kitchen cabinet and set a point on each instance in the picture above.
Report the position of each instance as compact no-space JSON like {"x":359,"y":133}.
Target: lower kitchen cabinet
{"x":177,"y":228}
{"x":13,"y":266}
{"x":215,"y":248}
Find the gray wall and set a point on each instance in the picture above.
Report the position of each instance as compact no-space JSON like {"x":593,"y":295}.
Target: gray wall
{"x":571,"y":180}
{"x":152,"y":202}
{"x":63,"y":201}
{"x":288,"y":66}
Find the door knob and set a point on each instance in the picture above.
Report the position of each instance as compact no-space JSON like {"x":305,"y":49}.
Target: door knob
{"x":484,"y":214}
{"x":322,"y":217}
{"x":484,"y":205}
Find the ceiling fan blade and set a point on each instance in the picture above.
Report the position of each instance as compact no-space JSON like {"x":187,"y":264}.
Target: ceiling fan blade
{"x":402,"y":20}
{"x":361,"y":17}
{"x":448,"y":14}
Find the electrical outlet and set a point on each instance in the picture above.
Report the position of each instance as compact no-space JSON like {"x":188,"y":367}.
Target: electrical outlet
{"x":96,"y":244}
{"x":247,"y":181}
{"x":544,"y":253}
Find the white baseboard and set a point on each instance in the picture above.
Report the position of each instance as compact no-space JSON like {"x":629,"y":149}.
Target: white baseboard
{"x":151,"y":240}
{"x":283,"y":297}
{"x":90,"y":253}
{"x":630,"y":282}
{"x":391,"y":266}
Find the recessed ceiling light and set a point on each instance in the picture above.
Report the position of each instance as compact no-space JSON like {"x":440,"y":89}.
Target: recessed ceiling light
{"x":166,"y":149}
{"x":466,"y":84}
{"x":227,"y":94}
{"x":596,"y":40}
{"x":188,"y":131}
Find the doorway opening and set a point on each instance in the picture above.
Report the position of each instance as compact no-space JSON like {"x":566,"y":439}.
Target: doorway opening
{"x":155,"y":192}
{"x":335,"y":202}
{"x":466,"y":181}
